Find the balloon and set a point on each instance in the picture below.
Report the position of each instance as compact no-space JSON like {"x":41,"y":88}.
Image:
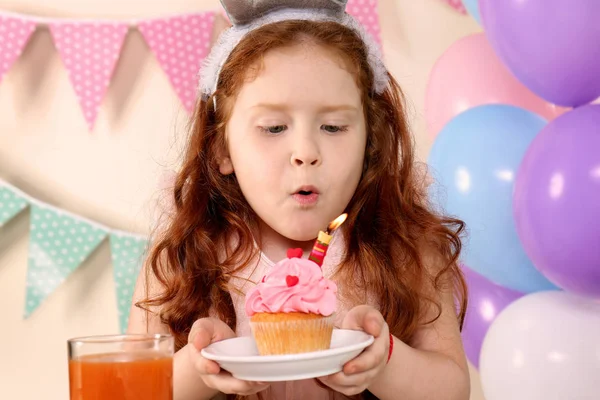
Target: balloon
{"x":550,"y":45}
{"x":473,"y":9}
{"x":475,"y":158}
{"x":557,"y":201}
{"x":470,"y":74}
{"x":486,"y":300}
{"x":543,"y":346}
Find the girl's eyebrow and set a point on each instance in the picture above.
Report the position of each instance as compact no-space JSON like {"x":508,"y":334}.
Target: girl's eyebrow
{"x":341,"y":107}
{"x":323,"y":109}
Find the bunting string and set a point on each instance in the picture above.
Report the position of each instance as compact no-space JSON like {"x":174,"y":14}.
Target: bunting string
{"x":61,"y":241}
{"x":90,"y":48}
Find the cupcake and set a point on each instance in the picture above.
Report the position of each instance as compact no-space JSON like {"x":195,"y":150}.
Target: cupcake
{"x":292,"y":309}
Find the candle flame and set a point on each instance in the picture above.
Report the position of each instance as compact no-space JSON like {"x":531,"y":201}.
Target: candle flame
{"x":336,"y":223}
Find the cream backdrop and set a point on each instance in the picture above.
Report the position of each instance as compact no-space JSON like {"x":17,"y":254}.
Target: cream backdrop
{"x":112,"y":175}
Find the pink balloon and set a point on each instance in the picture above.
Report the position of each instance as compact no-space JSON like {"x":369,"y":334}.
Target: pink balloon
{"x":470,"y":74}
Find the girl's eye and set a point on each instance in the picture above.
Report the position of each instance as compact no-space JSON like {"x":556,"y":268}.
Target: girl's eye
{"x":273,"y":130}
{"x":334,"y":128}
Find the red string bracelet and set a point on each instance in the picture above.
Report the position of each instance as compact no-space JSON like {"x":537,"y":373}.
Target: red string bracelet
{"x":391,"y":348}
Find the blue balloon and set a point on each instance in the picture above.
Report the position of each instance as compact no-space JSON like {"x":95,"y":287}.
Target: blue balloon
{"x":472,"y":7}
{"x":475,"y":159}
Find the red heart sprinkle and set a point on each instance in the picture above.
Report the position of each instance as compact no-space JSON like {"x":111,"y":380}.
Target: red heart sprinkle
{"x":294,"y":253}
{"x":263,"y":279}
{"x":291,"y":280}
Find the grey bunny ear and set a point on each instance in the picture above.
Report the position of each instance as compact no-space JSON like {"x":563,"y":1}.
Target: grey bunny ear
{"x":241,"y":12}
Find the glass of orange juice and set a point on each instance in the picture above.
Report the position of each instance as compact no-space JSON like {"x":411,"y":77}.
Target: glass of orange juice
{"x":121,"y":367}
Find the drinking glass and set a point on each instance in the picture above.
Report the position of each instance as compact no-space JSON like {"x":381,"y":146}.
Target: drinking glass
{"x":121,"y":367}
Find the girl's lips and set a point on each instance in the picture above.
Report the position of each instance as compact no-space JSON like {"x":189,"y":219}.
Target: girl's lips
{"x":306,"y":199}
{"x":307,"y":188}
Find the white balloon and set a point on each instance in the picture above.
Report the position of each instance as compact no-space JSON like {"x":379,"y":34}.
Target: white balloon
{"x":543,"y":346}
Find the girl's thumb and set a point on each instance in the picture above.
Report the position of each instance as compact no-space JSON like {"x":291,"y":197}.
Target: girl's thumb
{"x":201,"y":334}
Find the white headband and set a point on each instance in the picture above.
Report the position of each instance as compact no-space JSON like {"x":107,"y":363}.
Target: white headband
{"x":228,"y":40}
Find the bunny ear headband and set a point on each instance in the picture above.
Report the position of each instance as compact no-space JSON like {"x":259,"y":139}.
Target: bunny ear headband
{"x":247,"y":15}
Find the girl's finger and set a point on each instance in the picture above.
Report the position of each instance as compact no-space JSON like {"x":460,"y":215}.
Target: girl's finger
{"x":342,"y":380}
{"x":226,"y":383}
{"x":340,"y":383}
{"x":208,"y":330}
{"x":371,"y":358}
{"x":202,"y":365}
{"x":364,"y":318}
{"x":206,"y":367}
{"x":362,"y":363}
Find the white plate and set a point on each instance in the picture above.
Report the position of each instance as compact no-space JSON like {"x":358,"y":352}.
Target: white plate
{"x":240,"y":357}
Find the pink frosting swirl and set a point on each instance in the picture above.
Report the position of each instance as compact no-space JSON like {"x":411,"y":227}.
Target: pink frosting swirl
{"x":293,"y":285}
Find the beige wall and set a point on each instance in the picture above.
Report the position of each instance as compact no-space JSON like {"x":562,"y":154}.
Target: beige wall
{"x":111,"y":175}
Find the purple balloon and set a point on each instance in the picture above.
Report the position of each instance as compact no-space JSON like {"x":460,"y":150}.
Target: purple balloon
{"x":486,"y":300}
{"x":556,"y":203}
{"x":551,"y":46}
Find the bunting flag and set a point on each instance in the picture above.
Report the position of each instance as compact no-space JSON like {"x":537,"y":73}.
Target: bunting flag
{"x":14,"y":35}
{"x":58,"y":244}
{"x":365,"y":11}
{"x":89,"y":51}
{"x":180,"y":44}
{"x":128,"y":253}
{"x":10,"y":204}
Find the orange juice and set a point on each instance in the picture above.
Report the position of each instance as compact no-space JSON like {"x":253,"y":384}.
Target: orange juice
{"x":141,"y":375}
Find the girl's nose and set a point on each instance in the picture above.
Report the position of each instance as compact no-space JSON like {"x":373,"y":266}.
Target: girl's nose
{"x":305,"y":153}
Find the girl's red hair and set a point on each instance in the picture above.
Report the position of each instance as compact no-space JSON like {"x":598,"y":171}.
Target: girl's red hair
{"x":390,"y":225}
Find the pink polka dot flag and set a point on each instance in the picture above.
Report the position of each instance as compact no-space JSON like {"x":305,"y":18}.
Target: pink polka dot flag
{"x":89,"y":51}
{"x":180,"y":44}
{"x":365,"y":12}
{"x":14,"y":34}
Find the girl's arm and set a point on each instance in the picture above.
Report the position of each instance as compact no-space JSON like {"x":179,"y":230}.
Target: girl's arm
{"x":187,"y":384}
{"x":432,"y":366}
{"x":194,"y":377}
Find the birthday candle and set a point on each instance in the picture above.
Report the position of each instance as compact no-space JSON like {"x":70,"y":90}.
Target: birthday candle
{"x":319,"y":250}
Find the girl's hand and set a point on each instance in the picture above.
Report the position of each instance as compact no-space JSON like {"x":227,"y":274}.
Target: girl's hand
{"x":210,"y":330}
{"x":358,"y":373}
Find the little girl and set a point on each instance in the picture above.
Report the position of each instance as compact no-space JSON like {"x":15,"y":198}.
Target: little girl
{"x":300,"y":122}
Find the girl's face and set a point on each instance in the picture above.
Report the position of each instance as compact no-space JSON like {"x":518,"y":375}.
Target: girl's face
{"x":296,"y":140}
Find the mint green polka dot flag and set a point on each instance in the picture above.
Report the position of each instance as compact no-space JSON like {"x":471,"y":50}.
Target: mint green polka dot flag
{"x":128,"y":253}
{"x":10,"y":204}
{"x":58,"y":244}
